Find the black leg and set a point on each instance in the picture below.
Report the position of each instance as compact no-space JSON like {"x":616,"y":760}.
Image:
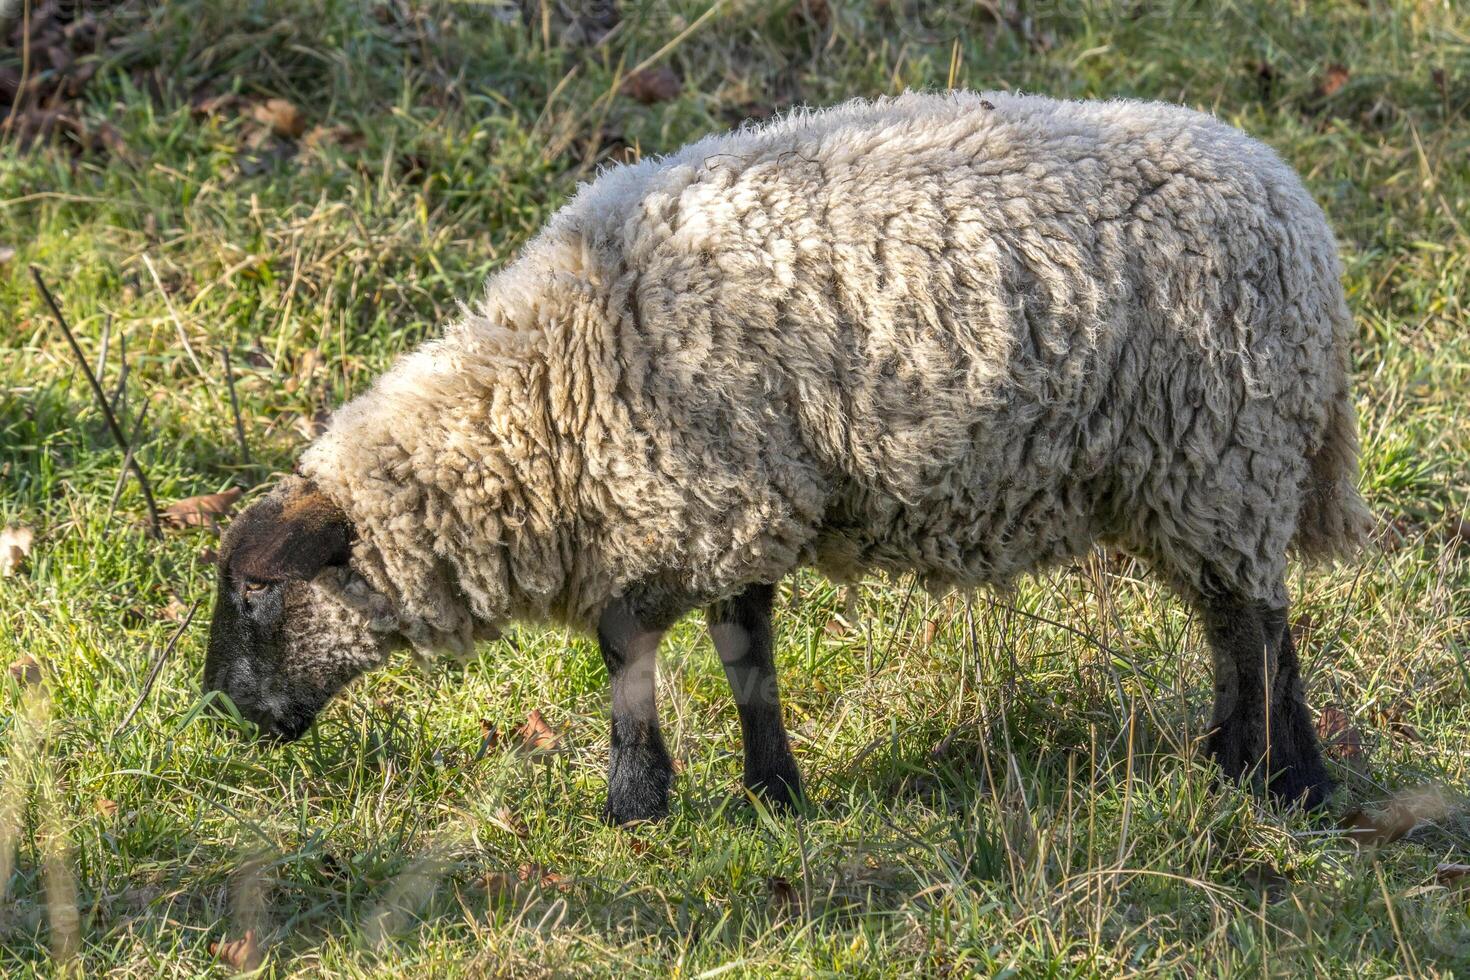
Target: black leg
{"x":741,"y":630}
{"x":1262,"y":726}
{"x":639,"y":771}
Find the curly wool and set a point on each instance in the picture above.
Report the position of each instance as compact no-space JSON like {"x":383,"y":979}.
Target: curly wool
{"x":962,"y":335}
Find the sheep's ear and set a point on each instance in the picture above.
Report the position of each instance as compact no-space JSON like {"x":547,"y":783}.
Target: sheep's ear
{"x":292,"y":534}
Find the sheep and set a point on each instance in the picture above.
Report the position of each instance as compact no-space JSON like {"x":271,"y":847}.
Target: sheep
{"x":965,"y":336}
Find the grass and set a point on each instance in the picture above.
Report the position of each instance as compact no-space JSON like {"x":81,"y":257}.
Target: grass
{"x":1003,"y":783}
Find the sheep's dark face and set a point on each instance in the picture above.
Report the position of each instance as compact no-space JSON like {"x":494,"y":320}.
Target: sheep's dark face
{"x":280,"y":644}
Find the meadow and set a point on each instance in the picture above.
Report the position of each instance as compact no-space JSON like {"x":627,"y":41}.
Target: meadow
{"x":259,"y":203}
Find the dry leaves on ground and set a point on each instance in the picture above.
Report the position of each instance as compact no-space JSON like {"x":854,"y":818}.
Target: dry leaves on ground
{"x":282,"y":116}
{"x":1340,"y":738}
{"x":535,"y":874}
{"x":340,"y":136}
{"x":242,"y":954}
{"x":26,"y":670}
{"x":783,"y":901}
{"x":537,"y":734}
{"x":656,"y":84}
{"x":15,"y":548}
{"x":1369,"y":827}
{"x":1332,"y":81}
{"x":202,"y":511}
{"x":1452,"y":875}
{"x":511,"y":821}
{"x":106,"y":807}
{"x":499,"y":885}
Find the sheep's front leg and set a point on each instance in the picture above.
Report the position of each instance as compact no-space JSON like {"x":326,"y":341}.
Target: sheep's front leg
{"x":1261,"y":723}
{"x":639,"y":771}
{"x":741,"y":630}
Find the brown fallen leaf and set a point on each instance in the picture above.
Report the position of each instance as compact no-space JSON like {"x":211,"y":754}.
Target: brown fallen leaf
{"x":537,"y":735}
{"x":1441,"y":81}
{"x":1372,"y":827}
{"x":342,"y":137}
{"x":7,"y":254}
{"x":835,"y":627}
{"x":818,"y":12}
{"x":110,"y":139}
{"x":201,"y":511}
{"x":106,"y":807}
{"x":1452,"y":875}
{"x":241,"y":954}
{"x":678,"y":766}
{"x":512,"y":822}
{"x":783,"y":902}
{"x":538,"y":875}
{"x":331,"y":867}
{"x":305,"y":367}
{"x":1395,"y":718}
{"x":489,"y":736}
{"x":1265,"y":73}
{"x":499,"y":885}
{"x":313,"y":425}
{"x":175,"y":611}
{"x":205,"y":104}
{"x":1457,"y":530}
{"x":1332,"y":81}
{"x":638,"y":846}
{"x":1340,"y":739}
{"x":1267,"y":880}
{"x":931,"y":632}
{"x":15,"y":548}
{"x":282,"y":116}
{"x":26,"y":671}
{"x":1301,"y":629}
{"x":656,"y":84}
{"x":207,"y":556}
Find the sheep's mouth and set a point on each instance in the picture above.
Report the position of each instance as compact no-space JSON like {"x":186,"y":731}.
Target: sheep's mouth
{"x":270,"y":729}
{"x":278,"y":731}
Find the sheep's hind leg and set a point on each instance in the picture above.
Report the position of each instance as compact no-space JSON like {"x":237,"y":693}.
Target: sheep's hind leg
{"x":741,"y":630}
{"x":1261,"y":725}
{"x":639,"y":770}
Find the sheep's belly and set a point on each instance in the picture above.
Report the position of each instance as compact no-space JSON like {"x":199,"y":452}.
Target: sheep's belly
{"x":974,"y":528}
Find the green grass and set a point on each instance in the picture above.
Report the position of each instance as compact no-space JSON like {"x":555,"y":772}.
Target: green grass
{"x":1067,"y":827}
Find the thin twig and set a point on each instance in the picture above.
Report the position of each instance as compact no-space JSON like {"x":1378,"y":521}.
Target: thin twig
{"x":235,"y":408}
{"x":117,"y":432}
{"x":122,"y":474}
{"x":153,"y":670}
{"x":120,"y":390}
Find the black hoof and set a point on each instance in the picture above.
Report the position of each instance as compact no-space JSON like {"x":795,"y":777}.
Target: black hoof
{"x":636,"y":801}
{"x":779,"y":790}
{"x":1304,"y":786}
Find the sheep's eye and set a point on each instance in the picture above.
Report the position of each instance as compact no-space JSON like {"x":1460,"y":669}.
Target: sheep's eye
{"x":255,"y":589}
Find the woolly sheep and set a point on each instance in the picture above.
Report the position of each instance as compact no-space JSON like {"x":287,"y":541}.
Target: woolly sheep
{"x":965,"y":336}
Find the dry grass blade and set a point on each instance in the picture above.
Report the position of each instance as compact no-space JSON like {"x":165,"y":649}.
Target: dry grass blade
{"x":154,"y":669}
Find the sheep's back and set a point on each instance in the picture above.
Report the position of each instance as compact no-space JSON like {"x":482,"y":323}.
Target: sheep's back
{"x":968,"y":335}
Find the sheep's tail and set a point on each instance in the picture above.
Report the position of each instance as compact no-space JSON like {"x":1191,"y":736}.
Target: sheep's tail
{"x":1333,"y":522}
